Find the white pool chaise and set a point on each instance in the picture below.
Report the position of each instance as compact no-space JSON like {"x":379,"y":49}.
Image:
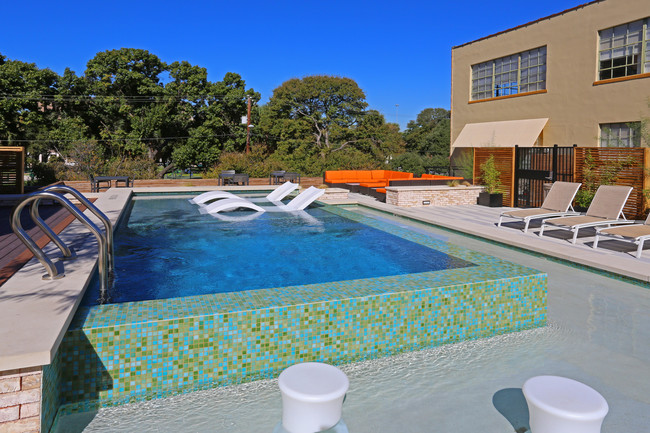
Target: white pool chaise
{"x":274,"y":196}
{"x":300,"y":202}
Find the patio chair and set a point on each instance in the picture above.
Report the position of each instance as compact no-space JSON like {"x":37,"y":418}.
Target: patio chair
{"x":634,"y":233}
{"x":556,"y":204}
{"x":300,"y":202}
{"x":274,"y":196}
{"x":605,"y":209}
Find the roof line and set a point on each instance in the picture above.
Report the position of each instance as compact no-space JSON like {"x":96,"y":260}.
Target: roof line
{"x":530,"y":23}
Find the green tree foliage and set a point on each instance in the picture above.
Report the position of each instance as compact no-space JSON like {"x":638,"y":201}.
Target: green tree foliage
{"x":429,"y":135}
{"x":319,"y":123}
{"x":324,"y":106}
{"x":131,"y":104}
{"x":24,"y":113}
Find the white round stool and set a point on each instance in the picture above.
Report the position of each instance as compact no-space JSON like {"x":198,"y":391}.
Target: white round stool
{"x":312,"y":396}
{"x":560,"y":405}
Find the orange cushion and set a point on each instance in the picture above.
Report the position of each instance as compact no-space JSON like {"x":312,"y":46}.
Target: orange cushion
{"x":381,"y":190}
{"x":375,"y":184}
{"x":378,"y":174}
{"x":364,"y":175}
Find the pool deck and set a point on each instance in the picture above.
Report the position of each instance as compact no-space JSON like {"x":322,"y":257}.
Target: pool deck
{"x":612,"y":256}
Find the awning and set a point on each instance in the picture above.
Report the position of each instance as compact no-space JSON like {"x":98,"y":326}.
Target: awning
{"x":508,"y":133}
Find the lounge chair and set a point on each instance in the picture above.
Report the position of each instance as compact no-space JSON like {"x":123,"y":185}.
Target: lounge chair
{"x":634,"y":233}
{"x":274,"y":196}
{"x":605,"y":209}
{"x":556,"y":204}
{"x":300,"y":202}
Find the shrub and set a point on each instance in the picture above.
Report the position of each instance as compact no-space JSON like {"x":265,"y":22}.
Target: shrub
{"x":490,"y":175}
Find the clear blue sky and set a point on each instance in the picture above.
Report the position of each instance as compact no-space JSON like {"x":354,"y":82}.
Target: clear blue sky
{"x":399,"y":52}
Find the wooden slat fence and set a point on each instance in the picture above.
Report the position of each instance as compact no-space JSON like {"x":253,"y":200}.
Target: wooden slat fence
{"x":504,"y":157}
{"x":12,"y":170}
{"x":628,"y":164}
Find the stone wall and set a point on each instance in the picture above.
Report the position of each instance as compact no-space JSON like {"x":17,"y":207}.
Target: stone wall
{"x":20,"y":400}
{"x":410,"y":196}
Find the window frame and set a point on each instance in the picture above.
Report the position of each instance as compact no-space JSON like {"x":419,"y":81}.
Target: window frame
{"x":505,"y":80}
{"x":633,"y":134}
{"x":643,"y":56}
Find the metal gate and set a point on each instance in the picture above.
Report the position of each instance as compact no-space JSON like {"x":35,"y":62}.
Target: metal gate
{"x":535,"y":166}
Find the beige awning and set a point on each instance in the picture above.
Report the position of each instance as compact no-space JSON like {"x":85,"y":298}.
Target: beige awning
{"x":508,"y":133}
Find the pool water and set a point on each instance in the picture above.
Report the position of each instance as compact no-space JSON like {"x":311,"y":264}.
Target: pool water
{"x":167,"y":249}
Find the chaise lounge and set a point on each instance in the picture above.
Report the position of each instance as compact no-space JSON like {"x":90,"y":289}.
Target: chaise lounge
{"x":634,"y":233}
{"x":300,"y":202}
{"x":556,"y":204}
{"x":274,"y":196}
{"x":605,"y":209}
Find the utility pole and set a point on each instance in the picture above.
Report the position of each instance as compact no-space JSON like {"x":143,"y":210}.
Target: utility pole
{"x":396,"y":115}
{"x":248,"y":127}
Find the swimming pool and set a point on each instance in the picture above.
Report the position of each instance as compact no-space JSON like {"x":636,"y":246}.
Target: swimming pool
{"x":167,"y":249}
{"x":132,"y":351}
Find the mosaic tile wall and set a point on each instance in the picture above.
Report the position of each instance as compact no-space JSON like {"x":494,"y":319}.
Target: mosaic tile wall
{"x":128,"y":352}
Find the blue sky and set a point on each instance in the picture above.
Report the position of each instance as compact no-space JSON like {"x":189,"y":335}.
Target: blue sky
{"x":399,"y":52}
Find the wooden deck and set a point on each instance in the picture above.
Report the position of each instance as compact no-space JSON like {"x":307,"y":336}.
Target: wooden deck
{"x":13,"y":253}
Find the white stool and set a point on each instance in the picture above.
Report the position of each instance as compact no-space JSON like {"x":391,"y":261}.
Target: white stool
{"x":312,"y":396}
{"x":561,"y":405}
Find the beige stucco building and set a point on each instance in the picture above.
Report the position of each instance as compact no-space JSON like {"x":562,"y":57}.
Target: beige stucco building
{"x":581,"y":76}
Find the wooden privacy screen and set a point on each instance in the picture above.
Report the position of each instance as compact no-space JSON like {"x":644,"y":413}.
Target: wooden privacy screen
{"x":12,"y":170}
{"x":504,"y":158}
{"x":629,"y":166}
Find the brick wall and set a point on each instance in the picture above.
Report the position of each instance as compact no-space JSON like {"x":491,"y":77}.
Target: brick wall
{"x":435,"y":195}
{"x":20,"y":400}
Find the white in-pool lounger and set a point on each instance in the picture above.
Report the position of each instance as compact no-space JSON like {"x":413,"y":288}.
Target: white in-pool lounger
{"x":634,"y":233}
{"x":557,"y":203}
{"x":605,"y":209}
{"x":274,"y":196}
{"x":300,"y":202}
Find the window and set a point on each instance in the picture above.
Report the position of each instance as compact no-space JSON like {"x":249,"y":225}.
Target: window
{"x":624,"y":50}
{"x":519,"y":73}
{"x":620,"y":134}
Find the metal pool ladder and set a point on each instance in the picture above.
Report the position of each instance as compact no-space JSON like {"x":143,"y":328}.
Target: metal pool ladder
{"x":56,"y":193}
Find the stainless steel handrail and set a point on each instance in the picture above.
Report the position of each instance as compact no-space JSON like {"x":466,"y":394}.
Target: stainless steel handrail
{"x":53,"y":272}
{"x":108,"y":227}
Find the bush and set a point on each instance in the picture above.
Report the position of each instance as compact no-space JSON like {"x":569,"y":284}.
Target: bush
{"x":409,"y":162}
{"x":46,"y":173}
{"x":490,"y":175}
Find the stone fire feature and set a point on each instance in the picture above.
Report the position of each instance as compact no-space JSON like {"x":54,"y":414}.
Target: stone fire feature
{"x":411,"y":196}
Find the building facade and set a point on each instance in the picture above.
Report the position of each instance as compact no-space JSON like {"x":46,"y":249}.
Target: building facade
{"x":581,"y":76}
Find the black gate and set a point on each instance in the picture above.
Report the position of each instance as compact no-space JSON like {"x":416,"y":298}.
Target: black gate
{"x":535,"y":166}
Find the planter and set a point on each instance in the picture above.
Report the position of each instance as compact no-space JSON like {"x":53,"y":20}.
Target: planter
{"x":491,"y":200}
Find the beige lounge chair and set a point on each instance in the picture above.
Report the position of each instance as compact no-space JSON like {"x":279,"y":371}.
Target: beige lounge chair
{"x":634,"y":233}
{"x":605,"y":209}
{"x":557,"y":203}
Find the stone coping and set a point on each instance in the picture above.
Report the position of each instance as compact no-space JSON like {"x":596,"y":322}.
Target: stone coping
{"x":35,"y":313}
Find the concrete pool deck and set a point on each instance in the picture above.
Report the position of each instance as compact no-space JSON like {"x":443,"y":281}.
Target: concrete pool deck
{"x":611,"y":256}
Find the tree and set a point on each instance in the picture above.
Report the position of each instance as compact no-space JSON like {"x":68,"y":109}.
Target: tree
{"x":128,"y":108}
{"x":429,"y":135}
{"x":375,"y":136}
{"x":327,"y":107}
{"x":216,"y":122}
{"x":25,"y":106}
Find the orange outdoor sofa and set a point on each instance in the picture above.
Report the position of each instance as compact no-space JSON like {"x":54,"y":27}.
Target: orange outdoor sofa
{"x":369,"y":178}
